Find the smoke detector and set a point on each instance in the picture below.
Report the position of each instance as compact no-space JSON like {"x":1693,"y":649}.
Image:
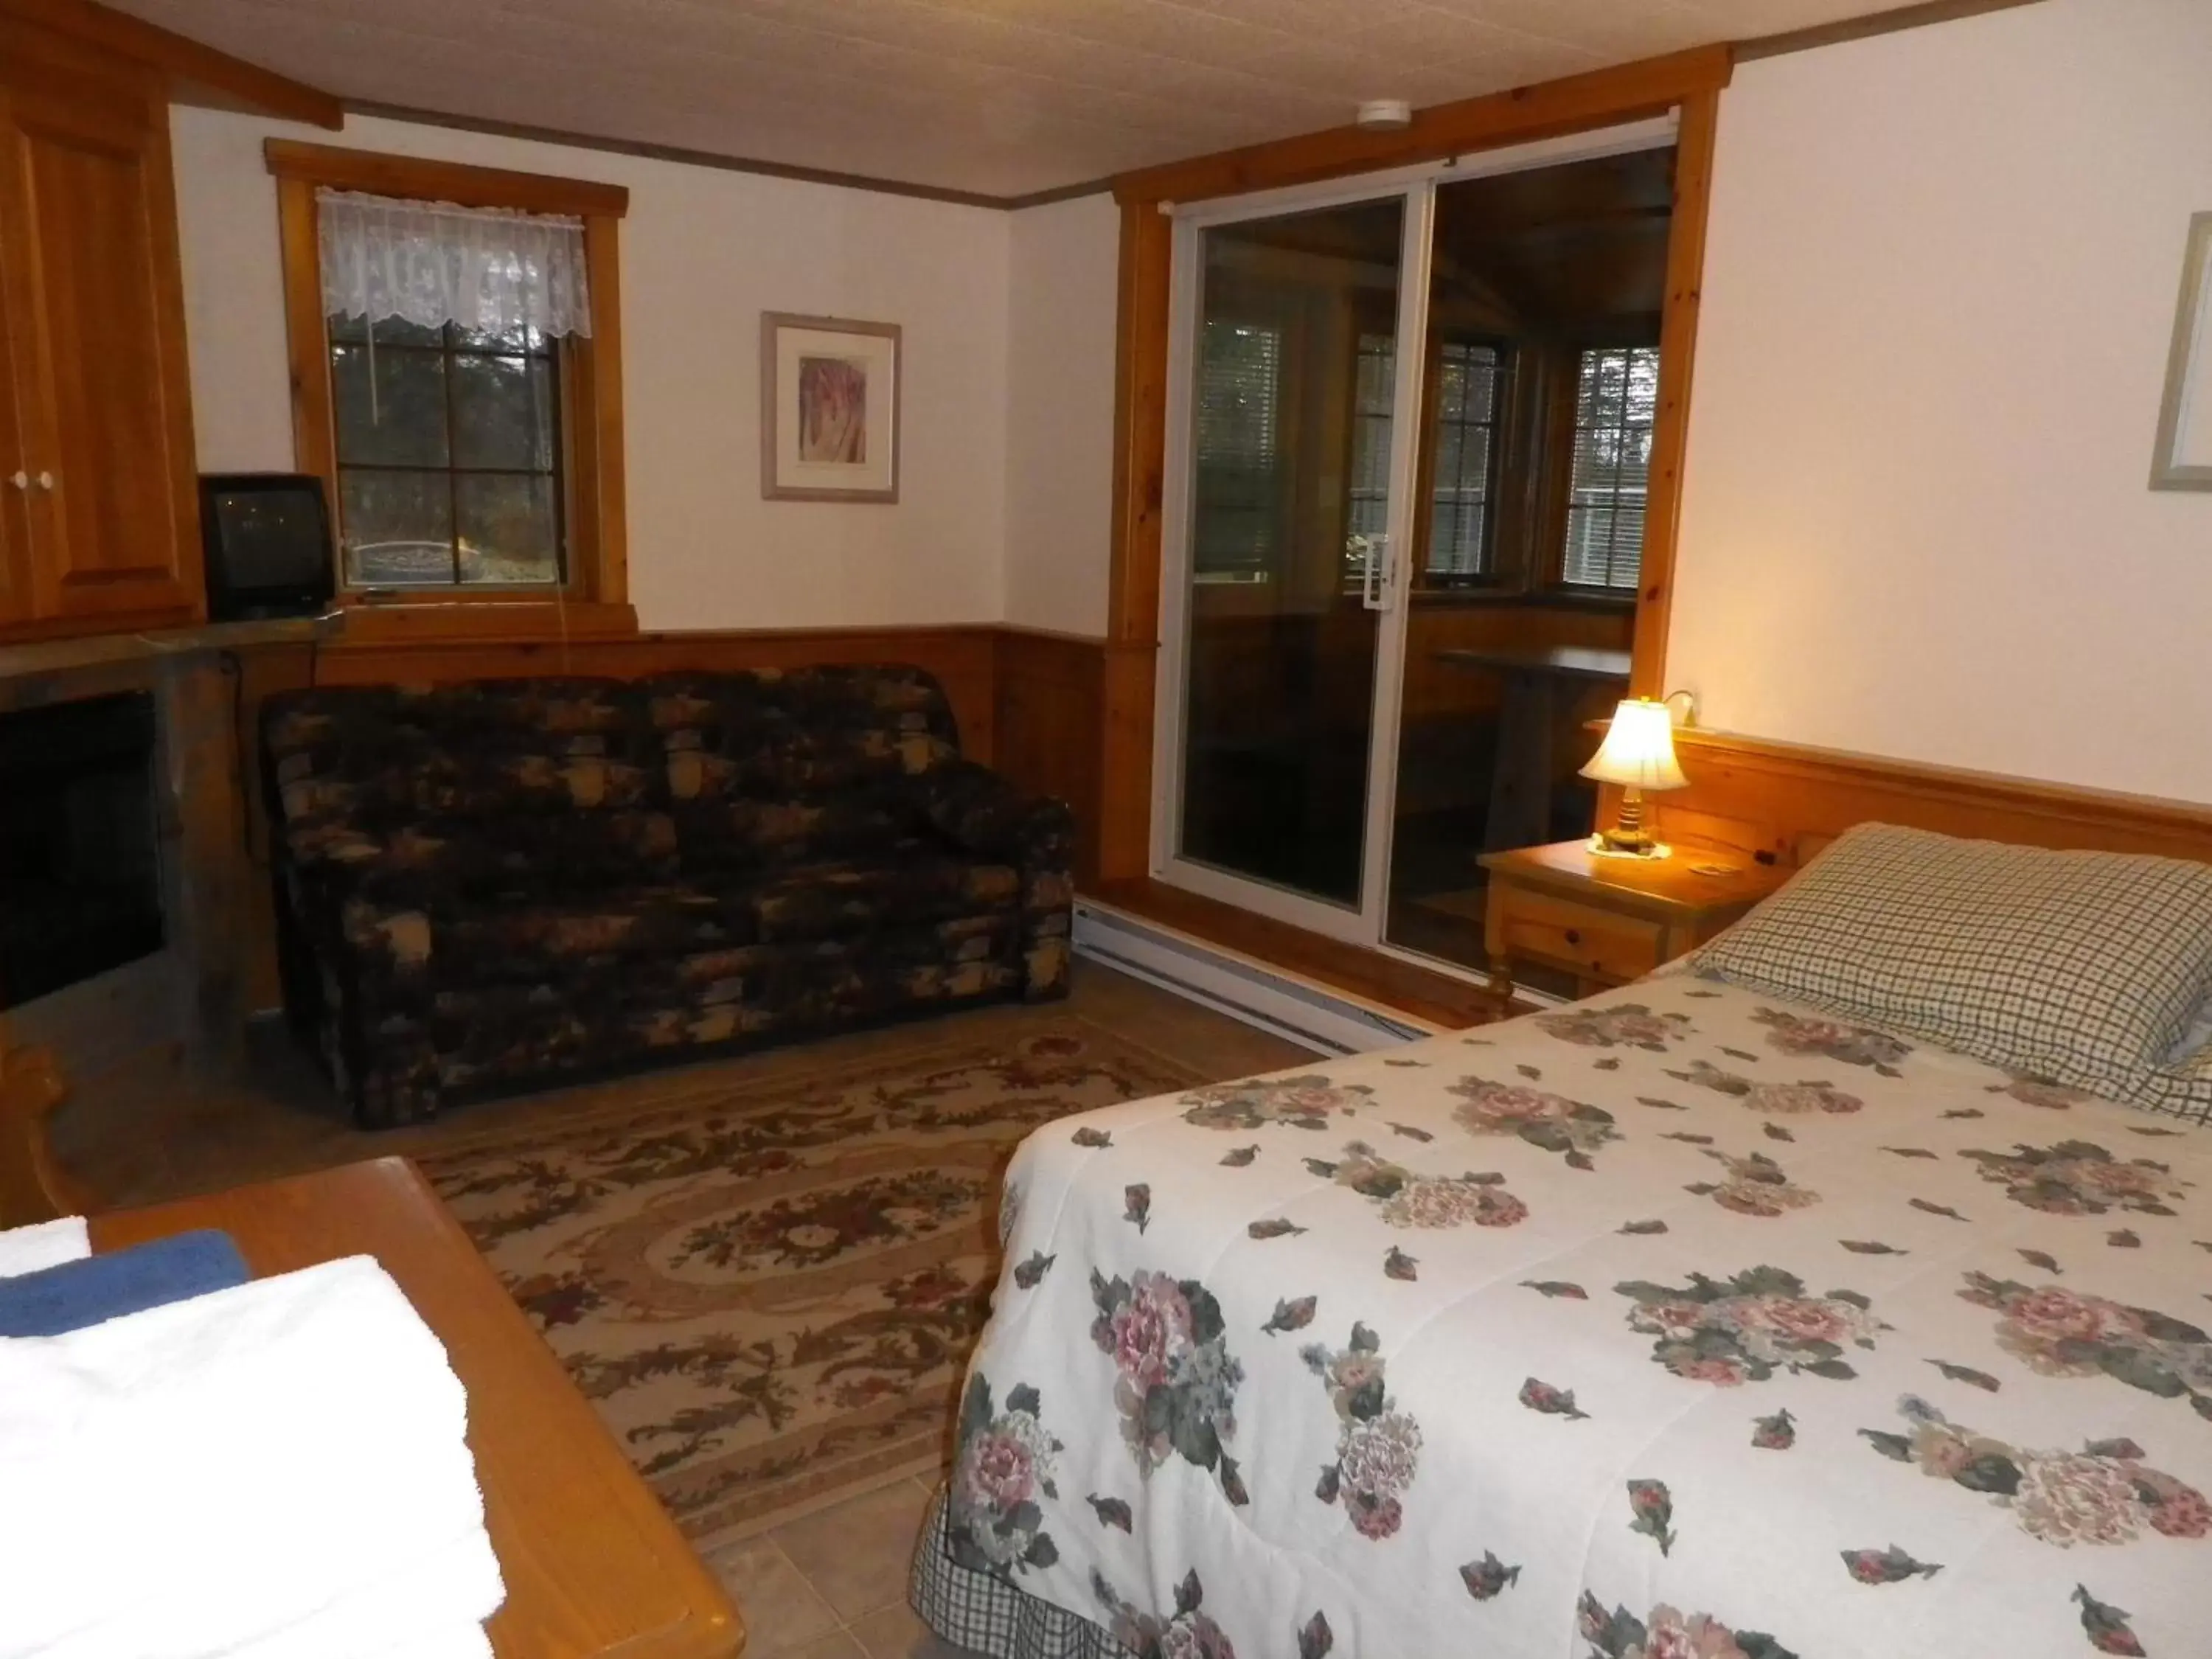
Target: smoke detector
{"x":1385,"y":114}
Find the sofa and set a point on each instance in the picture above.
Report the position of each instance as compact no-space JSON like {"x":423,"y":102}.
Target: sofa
{"x":492,"y":883}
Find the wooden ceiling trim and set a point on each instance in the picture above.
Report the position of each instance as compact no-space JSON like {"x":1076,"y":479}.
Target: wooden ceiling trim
{"x":713,"y":159}
{"x":196,"y":74}
{"x":1577,"y":103}
{"x":1864,"y":29}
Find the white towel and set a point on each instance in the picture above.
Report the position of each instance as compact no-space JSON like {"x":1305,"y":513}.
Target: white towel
{"x":186,"y":1482}
{"x":463,"y":1642}
{"x":43,"y":1245}
{"x":452,"y":1586}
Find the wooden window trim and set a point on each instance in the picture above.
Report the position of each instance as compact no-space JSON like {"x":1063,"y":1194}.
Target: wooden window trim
{"x":1490,"y":580}
{"x":1574,"y":103}
{"x":593,"y":601}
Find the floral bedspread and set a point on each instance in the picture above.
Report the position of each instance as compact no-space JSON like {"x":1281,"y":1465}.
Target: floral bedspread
{"x":1679,"y":1322}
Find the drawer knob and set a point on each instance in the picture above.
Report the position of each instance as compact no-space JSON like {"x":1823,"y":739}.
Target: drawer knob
{"x":1574,"y":936}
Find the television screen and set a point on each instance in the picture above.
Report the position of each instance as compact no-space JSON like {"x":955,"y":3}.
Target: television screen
{"x":268,"y":544}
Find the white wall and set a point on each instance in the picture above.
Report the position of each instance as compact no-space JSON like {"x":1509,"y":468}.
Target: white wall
{"x":1060,"y":443}
{"x":1938,"y":296}
{"x":704,"y":253}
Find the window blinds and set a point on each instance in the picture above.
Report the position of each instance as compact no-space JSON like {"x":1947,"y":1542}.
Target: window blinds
{"x":1616,"y":403}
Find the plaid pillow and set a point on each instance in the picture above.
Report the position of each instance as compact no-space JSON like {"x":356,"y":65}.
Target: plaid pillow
{"x":2084,"y":968}
{"x":2184,"y":1088}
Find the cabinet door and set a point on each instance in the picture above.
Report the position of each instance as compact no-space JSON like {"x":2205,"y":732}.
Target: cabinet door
{"x":95,"y":305}
{"x":16,"y":599}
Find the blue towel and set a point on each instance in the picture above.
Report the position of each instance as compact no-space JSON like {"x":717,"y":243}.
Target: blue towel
{"x":98,"y":1288}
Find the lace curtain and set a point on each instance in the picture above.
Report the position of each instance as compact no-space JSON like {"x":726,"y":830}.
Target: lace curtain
{"x":431,"y":262}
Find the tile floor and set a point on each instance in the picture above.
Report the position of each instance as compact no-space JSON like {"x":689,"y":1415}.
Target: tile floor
{"x":831,"y":1585}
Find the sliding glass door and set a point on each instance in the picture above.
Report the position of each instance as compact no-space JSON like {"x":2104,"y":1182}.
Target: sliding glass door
{"x":1545,"y":290}
{"x":1409,"y":420}
{"x":1291,"y":500}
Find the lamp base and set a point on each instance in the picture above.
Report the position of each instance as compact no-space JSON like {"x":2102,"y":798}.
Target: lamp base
{"x":1601,"y":846}
{"x":1629,"y":838}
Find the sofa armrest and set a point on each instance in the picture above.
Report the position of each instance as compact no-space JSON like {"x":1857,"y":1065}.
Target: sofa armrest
{"x":986,"y":816}
{"x":982,"y":813}
{"x":355,"y":947}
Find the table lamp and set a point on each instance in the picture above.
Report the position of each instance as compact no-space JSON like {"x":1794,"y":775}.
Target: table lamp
{"x":1638,"y":755}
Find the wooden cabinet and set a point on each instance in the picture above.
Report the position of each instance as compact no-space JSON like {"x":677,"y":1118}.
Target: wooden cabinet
{"x":16,"y":606}
{"x":100,"y":525}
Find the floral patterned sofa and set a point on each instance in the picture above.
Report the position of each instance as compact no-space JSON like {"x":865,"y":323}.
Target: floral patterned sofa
{"x":490,"y":883}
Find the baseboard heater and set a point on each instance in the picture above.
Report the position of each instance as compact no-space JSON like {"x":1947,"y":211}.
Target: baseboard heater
{"x":1327,"y":1021}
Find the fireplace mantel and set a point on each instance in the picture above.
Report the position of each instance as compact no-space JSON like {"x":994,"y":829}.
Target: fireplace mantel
{"x":42,"y":659}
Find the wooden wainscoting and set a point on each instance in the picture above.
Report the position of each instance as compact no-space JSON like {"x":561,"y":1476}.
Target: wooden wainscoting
{"x":1050,"y":723}
{"x":1757,"y":797}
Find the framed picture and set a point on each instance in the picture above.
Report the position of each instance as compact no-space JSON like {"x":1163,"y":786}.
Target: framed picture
{"x":829,"y":409}
{"x":2184,"y":460}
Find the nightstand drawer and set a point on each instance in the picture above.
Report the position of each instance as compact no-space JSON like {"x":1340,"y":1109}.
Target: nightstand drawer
{"x":1592,"y":943}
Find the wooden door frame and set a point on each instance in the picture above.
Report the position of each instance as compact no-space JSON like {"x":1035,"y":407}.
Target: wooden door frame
{"x":1689,"y":83}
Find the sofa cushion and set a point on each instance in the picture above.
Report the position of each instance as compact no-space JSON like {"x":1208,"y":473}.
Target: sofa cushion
{"x":504,"y":775}
{"x":562,"y":937}
{"x":472,"y":712}
{"x":444,"y":861}
{"x":833,"y":899}
{"x":558,"y":939}
{"x":365,"y":757}
{"x":749,"y":832}
{"x":775,"y":734}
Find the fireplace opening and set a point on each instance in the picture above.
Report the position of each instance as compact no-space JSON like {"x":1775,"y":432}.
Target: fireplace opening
{"x":80,"y":862}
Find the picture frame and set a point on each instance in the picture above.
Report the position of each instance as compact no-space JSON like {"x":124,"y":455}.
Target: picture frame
{"x":830,"y":392}
{"x":2183,"y":456}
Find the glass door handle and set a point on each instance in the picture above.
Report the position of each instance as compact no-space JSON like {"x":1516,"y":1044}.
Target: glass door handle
{"x":1374,"y":574}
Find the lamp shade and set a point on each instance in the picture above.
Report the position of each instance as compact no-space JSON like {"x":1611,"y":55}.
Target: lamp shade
{"x":1638,"y":748}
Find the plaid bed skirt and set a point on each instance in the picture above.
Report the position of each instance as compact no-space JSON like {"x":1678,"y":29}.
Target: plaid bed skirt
{"x":982,"y":1611}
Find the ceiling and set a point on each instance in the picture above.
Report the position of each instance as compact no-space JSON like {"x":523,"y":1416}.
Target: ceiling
{"x":996,"y":97}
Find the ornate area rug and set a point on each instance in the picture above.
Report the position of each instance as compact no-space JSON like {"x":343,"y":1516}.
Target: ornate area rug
{"x":769,"y":1286}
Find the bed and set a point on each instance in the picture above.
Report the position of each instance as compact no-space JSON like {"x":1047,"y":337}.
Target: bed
{"x":1691,"y":1320}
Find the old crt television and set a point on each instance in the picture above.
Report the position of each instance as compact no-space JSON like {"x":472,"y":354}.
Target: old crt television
{"x":267,"y":537}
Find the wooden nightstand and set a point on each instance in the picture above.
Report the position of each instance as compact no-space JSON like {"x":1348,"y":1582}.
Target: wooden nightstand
{"x":1608,"y":920}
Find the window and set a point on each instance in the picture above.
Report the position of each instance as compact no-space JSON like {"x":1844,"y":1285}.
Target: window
{"x":1239,"y":385}
{"x":456,"y":362}
{"x":449,"y":455}
{"x":1616,"y":403}
{"x":1467,"y":430}
{"x":1367,"y":500}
